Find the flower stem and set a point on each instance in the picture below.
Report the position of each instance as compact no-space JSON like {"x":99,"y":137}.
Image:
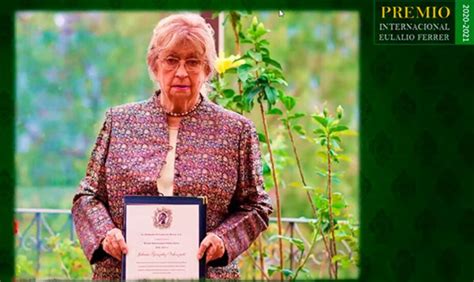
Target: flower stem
{"x":264,"y":276}
{"x":313,"y":207}
{"x":300,"y":170}
{"x":234,"y":20}
{"x":260,"y":251}
{"x":331,"y":223}
{"x":277,"y":190}
{"x":308,"y":254}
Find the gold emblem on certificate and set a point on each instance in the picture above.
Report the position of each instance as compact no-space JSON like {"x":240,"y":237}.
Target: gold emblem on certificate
{"x":162,"y":218}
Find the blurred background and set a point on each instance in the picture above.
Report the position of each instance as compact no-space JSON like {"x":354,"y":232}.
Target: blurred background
{"x":71,"y":67}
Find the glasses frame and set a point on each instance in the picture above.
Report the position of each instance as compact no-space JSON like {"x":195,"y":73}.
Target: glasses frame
{"x":188,"y":69}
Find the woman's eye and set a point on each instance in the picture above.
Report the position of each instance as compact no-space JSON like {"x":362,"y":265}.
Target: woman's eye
{"x":172,"y":61}
{"x":192,"y":63}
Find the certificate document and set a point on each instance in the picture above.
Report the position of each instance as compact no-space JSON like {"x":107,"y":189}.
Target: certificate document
{"x":163,"y":236}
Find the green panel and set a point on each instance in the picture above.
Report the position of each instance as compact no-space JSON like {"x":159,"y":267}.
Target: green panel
{"x":464,"y":22}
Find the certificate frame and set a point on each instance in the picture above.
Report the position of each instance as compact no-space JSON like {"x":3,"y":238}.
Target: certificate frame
{"x":200,"y":202}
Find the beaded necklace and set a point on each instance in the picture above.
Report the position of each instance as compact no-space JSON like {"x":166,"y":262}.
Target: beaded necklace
{"x":187,"y":112}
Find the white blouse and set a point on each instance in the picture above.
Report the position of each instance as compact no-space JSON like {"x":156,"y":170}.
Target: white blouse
{"x":164,"y":182}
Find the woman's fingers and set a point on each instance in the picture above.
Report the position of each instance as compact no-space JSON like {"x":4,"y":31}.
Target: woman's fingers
{"x":203,"y":247}
{"x":121,"y":242}
{"x":115,"y":247}
{"x":212,"y":246}
{"x":107,"y":246}
{"x":114,"y":244}
{"x":211,"y":253}
{"x":219,"y":245}
{"x":118,"y":238}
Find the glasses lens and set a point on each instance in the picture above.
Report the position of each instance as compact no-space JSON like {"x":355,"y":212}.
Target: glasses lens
{"x":170,"y":63}
{"x":191,"y":65}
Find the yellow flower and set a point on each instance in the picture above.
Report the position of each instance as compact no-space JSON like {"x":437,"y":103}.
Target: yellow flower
{"x":223,"y":64}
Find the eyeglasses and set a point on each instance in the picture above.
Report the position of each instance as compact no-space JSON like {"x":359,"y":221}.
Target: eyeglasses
{"x":191,"y":65}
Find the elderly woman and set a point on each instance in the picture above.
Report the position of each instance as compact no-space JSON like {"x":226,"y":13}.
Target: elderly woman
{"x":175,"y":143}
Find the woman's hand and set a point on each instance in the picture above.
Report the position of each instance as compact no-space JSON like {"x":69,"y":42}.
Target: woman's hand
{"x":213,"y":246}
{"x":114,"y":243}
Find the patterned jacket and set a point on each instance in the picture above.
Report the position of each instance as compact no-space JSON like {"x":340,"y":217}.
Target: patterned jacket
{"x":217,"y":155}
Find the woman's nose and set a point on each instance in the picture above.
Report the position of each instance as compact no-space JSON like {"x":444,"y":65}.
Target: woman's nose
{"x":181,"y":71}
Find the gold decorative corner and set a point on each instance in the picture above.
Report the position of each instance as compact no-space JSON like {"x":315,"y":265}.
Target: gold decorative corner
{"x":204,"y":199}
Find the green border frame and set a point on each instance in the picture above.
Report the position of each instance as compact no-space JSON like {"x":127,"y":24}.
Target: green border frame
{"x":416,"y":172}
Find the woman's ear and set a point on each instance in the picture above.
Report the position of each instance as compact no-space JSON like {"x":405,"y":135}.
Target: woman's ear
{"x":207,"y":71}
{"x":155,"y":70}
{"x":154,"y":74}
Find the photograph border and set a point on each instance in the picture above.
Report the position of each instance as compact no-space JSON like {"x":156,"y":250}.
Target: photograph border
{"x":415,"y":181}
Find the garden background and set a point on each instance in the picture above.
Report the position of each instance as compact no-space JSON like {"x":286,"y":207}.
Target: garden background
{"x":72,"y":66}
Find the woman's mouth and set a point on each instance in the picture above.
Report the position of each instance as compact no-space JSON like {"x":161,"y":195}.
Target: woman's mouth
{"x":181,"y":87}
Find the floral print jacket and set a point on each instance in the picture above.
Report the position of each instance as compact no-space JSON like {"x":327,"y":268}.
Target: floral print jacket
{"x":217,"y":155}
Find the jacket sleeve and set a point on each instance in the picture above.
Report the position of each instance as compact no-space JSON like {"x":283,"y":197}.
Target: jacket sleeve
{"x":90,"y":209}
{"x":250,"y":206}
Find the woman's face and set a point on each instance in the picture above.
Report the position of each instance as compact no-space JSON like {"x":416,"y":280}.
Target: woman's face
{"x":181,"y":71}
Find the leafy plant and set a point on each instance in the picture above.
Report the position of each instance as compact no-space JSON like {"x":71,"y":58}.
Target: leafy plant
{"x":259,"y":80}
{"x":24,"y":267}
{"x":332,"y":205}
{"x":262,"y":83}
{"x":71,"y":257}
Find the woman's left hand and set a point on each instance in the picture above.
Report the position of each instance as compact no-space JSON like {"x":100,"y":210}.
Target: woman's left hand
{"x":212,"y":246}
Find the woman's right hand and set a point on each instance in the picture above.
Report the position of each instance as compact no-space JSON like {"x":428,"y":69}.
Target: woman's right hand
{"x":114,"y":243}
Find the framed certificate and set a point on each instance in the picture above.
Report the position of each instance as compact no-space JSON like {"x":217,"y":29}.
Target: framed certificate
{"x":163,"y":236}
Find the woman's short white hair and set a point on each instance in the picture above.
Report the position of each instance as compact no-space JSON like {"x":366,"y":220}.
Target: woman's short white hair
{"x":178,"y":28}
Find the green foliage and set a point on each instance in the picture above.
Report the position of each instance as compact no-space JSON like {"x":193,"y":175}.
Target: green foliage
{"x":328,"y":132}
{"x":332,"y":209}
{"x":281,"y":157}
{"x":24,"y":267}
{"x":71,"y":257}
{"x":260,"y":75}
{"x":262,"y":81}
{"x":295,"y":241}
{"x":288,"y":101}
{"x":66,"y":261}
